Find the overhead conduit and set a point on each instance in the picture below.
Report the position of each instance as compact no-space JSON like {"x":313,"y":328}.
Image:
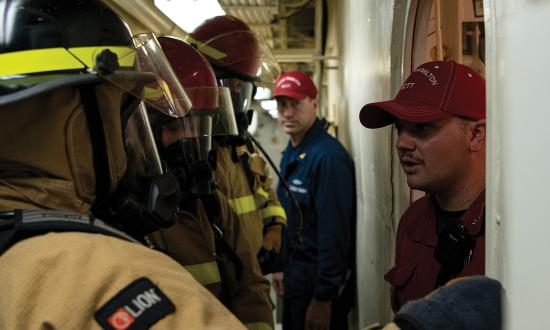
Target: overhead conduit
{"x":143,"y":15}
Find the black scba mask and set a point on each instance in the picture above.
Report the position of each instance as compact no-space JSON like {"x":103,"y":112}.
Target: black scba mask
{"x":142,"y":205}
{"x":193,"y":171}
{"x":454,"y":247}
{"x":184,"y":145}
{"x":146,"y":198}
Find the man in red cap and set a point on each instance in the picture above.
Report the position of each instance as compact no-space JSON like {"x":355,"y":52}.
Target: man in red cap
{"x":439,"y":114}
{"x":320,"y":207}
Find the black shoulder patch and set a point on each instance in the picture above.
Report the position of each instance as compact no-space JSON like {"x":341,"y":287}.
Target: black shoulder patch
{"x":138,"y":306}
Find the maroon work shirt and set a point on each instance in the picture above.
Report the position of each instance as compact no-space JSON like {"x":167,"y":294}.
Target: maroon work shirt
{"x":415,"y":271}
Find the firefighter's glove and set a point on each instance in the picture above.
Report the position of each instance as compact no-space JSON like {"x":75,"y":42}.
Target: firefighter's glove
{"x":272,"y":238}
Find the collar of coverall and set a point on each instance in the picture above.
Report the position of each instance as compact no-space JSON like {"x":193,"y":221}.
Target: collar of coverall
{"x":314,"y":132}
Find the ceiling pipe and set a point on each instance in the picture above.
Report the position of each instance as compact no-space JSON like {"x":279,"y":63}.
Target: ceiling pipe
{"x":318,"y":74}
{"x":296,"y":4}
{"x":146,"y":13}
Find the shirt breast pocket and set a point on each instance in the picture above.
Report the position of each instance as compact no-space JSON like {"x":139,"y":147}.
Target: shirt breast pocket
{"x":399,"y":277}
{"x":400,"y":274}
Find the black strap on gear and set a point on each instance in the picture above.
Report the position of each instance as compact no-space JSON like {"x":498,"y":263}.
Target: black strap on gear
{"x":99,"y":144}
{"x":243,"y":160}
{"x":234,"y":143}
{"x":249,"y":144}
{"x":212,"y":208}
{"x":19,"y":225}
{"x":234,"y":155}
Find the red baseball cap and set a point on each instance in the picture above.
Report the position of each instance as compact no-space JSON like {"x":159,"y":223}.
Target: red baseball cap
{"x":296,"y":85}
{"x":434,"y":91}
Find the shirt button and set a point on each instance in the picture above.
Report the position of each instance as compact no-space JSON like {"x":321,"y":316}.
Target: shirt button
{"x":474,"y":222}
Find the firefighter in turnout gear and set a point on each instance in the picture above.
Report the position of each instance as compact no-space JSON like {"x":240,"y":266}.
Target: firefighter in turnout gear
{"x":208,"y":238}
{"x":241,"y":59}
{"x":76,"y":144}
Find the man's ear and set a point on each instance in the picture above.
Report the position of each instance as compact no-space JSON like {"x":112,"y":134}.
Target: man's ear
{"x":315,"y":103}
{"x":477,"y":135}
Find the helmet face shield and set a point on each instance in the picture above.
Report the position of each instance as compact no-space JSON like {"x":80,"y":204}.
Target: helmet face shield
{"x":213,"y":116}
{"x":219,"y":107}
{"x":241,"y":93}
{"x":166,"y":94}
{"x":146,"y":66}
{"x":193,"y":134}
{"x":268,"y":71}
{"x":243,"y":52}
{"x":139,"y":144}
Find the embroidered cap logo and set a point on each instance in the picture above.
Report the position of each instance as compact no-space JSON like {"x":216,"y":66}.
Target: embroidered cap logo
{"x":288,"y":79}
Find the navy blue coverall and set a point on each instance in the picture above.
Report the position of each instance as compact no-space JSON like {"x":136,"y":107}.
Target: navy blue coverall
{"x":320,"y":174}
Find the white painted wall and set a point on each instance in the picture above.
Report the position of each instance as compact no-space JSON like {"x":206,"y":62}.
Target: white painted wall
{"x":518,"y":172}
{"x":365,"y":29}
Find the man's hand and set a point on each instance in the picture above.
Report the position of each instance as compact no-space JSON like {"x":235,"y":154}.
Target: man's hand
{"x":318,"y":315}
{"x":277,"y":279}
{"x":272,"y":238}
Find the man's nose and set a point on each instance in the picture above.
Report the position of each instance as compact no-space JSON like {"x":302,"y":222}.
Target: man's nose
{"x":405,"y":141}
{"x":286,"y":111}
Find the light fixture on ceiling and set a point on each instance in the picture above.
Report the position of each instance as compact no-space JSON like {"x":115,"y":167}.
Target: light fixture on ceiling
{"x":188,"y":14}
{"x":262,"y":93}
{"x":270,"y":106}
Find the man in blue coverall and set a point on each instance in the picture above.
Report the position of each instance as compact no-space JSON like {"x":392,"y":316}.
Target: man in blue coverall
{"x":316,"y":283}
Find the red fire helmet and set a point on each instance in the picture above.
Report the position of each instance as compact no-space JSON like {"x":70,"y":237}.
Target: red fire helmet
{"x":198,"y":79}
{"x":193,"y":72}
{"x":231,"y":46}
